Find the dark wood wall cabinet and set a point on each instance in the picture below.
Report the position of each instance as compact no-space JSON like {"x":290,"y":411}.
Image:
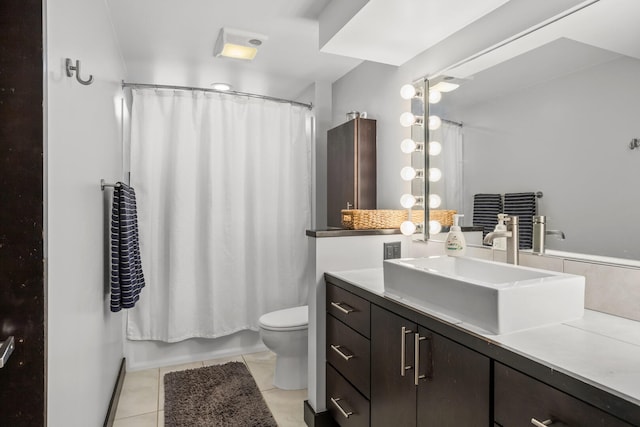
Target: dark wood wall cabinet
{"x":390,"y":365}
{"x":351,"y":168}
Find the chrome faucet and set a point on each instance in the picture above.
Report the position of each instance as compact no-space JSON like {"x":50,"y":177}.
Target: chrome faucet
{"x":540,"y":232}
{"x":513,"y":239}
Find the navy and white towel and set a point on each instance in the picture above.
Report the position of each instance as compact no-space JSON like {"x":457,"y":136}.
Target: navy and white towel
{"x":524,"y":206}
{"x":486,"y":208}
{"x":127,"y":279}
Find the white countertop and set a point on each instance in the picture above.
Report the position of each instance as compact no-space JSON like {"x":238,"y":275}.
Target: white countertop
{"x":600,"y":349}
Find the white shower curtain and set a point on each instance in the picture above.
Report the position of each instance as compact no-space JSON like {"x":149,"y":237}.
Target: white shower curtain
{"x":452,"y":167}
{"x":224,"y":198}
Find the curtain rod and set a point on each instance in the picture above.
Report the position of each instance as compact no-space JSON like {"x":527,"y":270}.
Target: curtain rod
{"x":451,"y":122}
{"x":232,"y":92}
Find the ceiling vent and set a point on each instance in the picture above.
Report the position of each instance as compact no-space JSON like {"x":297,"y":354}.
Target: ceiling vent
{"x":238,"y":44}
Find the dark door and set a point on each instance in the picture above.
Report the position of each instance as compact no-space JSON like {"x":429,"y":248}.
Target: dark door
{"x":455,"y":390}
{"x":341,"y":171}
{"x":393,"y":396}
{"x":22,"y":380}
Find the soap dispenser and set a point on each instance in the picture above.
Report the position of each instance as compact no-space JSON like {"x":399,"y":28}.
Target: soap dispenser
{"x":455,"y":245}
{"x":500,"y":242}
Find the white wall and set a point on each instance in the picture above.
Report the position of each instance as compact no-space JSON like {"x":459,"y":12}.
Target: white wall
{"x":374,"y":87}
{"x":83,"y":138}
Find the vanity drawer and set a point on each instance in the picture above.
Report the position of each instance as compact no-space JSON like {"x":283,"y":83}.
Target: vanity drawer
{"x":350,"y":353}
{"x":349,"y":308}
{"x":519,"y":398}
{"x":344,"y":403}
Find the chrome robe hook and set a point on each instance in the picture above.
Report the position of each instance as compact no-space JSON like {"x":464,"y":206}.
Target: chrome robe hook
{"x":76,"y":68}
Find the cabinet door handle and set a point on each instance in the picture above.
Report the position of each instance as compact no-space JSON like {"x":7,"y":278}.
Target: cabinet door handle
{"x":403,"y":351}
{"x":339,"y":306}
{"x":6,"y":348}
{"x":416,"y":375}
{"x":340,"y":408}
{"x":544,"y":423}
{"x":337,"y":348}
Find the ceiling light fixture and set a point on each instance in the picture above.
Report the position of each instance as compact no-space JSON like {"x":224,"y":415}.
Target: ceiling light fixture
{"x":238,"y":44}
{"x":221,"y":86}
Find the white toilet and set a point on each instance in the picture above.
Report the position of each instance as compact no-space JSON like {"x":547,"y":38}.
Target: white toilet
{"x":285,"y":333}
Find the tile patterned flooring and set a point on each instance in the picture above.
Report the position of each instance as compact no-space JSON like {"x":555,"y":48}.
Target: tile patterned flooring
{"x":141,"y":402}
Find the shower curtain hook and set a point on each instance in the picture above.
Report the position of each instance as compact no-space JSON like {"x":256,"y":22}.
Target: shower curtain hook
{"x":71,"y":68}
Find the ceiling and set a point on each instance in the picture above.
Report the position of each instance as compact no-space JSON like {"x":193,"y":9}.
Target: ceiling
{"x":171,"y":41}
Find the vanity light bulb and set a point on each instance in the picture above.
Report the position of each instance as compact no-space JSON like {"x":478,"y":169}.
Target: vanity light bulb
{"x":434,"y":122}
{"x":408,"y":146}
{"x":435,"y":174}
{"x":407,"y":228}
{"x":407,"y":201}
{"x":434,"y":201}
{"x":435,"y":227}
{"x":408,"y":173}
{"x":407,"y":119}
{"x":434,"y":96}
{"x":435,"y":148}
{"x":407,"y":91}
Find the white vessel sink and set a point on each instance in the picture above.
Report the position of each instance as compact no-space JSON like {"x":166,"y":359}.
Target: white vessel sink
{"x":499,"y":298}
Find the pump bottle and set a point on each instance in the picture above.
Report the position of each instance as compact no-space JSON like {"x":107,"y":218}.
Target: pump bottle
{"x":500,"y":242}
{"x":455,"y":244}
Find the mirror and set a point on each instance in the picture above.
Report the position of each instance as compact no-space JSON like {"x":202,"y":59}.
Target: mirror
{"x":556,"y":111}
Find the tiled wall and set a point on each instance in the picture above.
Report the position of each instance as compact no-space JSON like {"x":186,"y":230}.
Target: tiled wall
{"x":613,"y":289}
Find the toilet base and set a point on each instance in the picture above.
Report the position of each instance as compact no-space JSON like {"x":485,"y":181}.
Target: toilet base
{"x":291,"y":373}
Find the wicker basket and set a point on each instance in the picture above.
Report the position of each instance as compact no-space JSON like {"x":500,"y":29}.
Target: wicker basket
{"x":362,"y":219}
{"x":444,"y":217}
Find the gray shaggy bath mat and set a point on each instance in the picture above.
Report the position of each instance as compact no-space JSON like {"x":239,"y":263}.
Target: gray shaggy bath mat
{"x":221,"y":395}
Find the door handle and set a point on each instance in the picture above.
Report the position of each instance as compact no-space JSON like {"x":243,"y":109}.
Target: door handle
{"x":6,"y":348}
{"x":416,"y":375}
{"x":403,"y":350}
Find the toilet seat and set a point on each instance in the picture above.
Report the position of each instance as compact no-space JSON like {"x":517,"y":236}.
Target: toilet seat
{"x":289,"y":319}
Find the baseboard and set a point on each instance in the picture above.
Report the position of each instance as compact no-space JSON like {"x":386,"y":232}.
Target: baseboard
{"x":313,"y":419}
{"x":113,"y":404}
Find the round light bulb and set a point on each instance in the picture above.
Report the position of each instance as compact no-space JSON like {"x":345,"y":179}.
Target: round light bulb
{"x":434,"y":201}
{"x":434,"y":227}
{"x":435,"y":148}
{"x":434,"y":122}
{"x":407,"y":91}
{"x":408,"y":146}
{"x":434,"y":96}
{"x":408,"y":173}
{"x":435,"y":174}
{"x":407,"y":228}
{"x":407,"y":119}
{"x":407,"y":201}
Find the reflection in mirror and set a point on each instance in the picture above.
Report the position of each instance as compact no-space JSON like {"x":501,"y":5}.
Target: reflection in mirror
{"x":444,"y":154}
{"x":555,"y":111}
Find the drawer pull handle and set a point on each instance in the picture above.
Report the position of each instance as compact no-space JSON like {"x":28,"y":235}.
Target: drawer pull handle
{"x":337,"y":348}
{"x":403,"y":351}
{"x":339,"y":306}
{"x":342,"y":411}
{"x":416,"y":375}
{"x":544,"y":423}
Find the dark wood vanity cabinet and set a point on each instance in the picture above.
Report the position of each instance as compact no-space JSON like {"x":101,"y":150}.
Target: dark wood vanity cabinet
{"x":391,"y":366}
{"x":348,"y":358}
{"x":420,"y":378}
{"x":351,"y":168}
{"x":520,"y":399}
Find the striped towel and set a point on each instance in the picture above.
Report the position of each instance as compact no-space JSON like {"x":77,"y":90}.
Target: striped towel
{"x":127,"y":279}
{"x":486,"y":208}
{"x":522,"y":205}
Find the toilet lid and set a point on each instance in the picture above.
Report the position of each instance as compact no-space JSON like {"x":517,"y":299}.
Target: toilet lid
{"x":289,"y":318}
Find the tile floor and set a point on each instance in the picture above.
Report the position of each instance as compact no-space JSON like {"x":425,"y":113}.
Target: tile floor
{"x":141,"y":402}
